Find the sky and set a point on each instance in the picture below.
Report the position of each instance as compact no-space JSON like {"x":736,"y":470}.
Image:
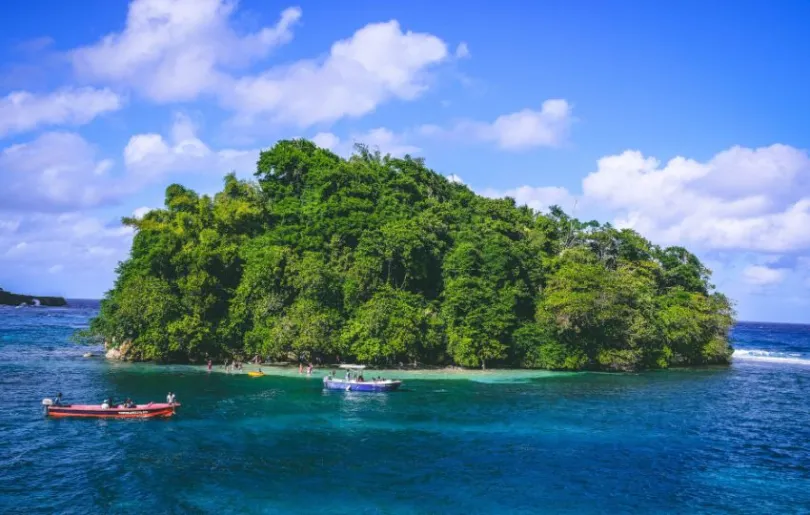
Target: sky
{"x":686,"y":121}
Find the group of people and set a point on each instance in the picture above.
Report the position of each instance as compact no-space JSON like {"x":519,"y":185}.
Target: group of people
{"x":231,"y":365}
{"x":301,"y":369}
{"x":109,"y":404}
{"x":356,"y":377}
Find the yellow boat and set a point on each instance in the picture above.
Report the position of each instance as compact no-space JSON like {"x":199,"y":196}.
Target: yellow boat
{"x":256,"y":374}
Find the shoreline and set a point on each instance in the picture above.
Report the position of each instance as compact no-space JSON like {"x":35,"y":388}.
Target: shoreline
{"x":490,"y":375}
{"x":496,"y":375}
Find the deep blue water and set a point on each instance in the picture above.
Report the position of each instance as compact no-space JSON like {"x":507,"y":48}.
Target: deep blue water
{"x":717,"y":440}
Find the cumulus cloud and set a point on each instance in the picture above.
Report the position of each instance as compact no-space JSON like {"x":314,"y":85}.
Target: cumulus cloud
{"x":462,"y":51}
{"x":537,"y":198}
{"x":547,"y":127}
{"x":57,"y":171}
{"x":61,"y":171}
{"x":22,"y":111}
{"x":175,"y":50}
{"x":151,"y":155}
{"x":747,"y":199}
{"x":759,"y":275}
{"x":77,"y":249}
{"x":141,"y":212}
{"x":378,"y":63}
{"x":382,"y":139}
{"x":326,"y":140}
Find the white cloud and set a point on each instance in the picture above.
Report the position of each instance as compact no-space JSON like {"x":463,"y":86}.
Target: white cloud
{"x":22,"y":111}
{"x":382,"y":139}
{"x":150,"y":155}
{"x":748,"y":199}
{"x":462,"y":51}
{"x":378,"y":63}
{"x":174,"y":50}
{"x":177,"y":50}
{"x":455,"y":179}
{"x":77,"y":249}
{"x":326,"y":140}
{"x":525,"y":129}
{"x":61,"y":171}
{"x":759,"y":275}
{"x":50,"y":239}
{"x":537,"y":198}
{"x":141,"y":212}
{"x":56,"y":171}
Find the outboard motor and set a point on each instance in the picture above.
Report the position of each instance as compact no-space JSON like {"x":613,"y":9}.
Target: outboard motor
{"x":46,"y":403}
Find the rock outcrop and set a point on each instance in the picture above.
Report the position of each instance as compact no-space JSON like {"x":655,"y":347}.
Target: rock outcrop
{"x":122,"y":352}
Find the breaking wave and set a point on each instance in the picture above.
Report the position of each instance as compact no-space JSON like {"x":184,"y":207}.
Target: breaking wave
{"x":795,"y":358}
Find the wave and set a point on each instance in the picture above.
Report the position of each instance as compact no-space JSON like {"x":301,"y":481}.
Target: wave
{"x":771,"y":356}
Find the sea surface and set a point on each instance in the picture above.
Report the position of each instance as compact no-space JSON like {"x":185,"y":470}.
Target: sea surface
{"x":715,"y":440}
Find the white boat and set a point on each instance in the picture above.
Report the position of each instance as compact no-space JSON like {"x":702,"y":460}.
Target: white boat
{"x":354,"y":384}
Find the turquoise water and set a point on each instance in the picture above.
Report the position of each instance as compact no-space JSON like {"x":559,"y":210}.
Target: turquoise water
{"x":722,"y":440}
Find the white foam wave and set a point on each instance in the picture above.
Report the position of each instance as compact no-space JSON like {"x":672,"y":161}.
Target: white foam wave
{"x":770,"y":356}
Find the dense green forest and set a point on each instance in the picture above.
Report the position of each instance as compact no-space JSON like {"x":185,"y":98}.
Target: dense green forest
{"x":382,"y":261}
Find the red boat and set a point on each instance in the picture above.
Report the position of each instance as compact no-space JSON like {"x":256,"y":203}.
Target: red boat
{"x":151,"y":410}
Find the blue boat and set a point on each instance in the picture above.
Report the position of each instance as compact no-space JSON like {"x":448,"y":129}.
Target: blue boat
{"x":356,"y":383}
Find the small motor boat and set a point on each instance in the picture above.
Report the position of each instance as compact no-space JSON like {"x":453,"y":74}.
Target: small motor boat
{"x":355,"y":384}
{"x":151,"y":410}
{"x":256,"y":374}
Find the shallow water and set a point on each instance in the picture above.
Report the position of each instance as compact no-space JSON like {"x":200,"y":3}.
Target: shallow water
{"x":715,"y":440}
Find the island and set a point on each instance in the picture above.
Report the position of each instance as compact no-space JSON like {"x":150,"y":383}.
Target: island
{"x":16,"y":299}
{"x":380,"y":260}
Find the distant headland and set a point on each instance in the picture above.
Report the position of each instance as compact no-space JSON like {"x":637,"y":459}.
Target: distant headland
{"x":15,"y":299}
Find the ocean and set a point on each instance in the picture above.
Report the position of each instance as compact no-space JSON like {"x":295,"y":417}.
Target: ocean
{"x":712,"y":440}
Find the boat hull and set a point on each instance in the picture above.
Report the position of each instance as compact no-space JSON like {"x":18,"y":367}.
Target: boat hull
{"x":366,"y":386}
{"x":95,"y":411}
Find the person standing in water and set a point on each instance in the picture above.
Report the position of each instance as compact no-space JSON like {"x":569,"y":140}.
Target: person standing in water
{"x":210,"y":364}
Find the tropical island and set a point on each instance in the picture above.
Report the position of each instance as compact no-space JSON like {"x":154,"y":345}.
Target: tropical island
{"x":382,"y":261}
{"x":15,"y":299}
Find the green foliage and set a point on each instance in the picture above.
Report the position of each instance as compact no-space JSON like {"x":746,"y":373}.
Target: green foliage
{"x":383,"y":261}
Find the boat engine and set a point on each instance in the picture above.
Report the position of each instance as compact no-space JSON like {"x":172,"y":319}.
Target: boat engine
{"x":46,"y":403}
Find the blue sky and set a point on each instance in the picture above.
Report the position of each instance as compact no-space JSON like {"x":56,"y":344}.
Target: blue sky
{"x":684,"y":120}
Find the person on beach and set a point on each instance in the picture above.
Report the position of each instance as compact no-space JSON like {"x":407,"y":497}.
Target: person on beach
{"x":300,"y":368}
{"x":210,"y":364}
{"x":309,"y":369}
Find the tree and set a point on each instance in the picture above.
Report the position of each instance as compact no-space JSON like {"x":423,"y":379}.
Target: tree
{"x":380,"y":260}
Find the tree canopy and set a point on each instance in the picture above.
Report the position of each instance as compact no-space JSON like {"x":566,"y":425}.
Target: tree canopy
{"x":382,"y":261}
